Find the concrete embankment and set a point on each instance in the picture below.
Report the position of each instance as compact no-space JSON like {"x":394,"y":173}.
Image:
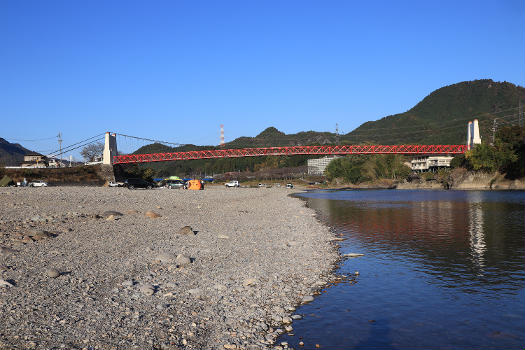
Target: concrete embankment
{"x":110,"y":268}
{"x":468,"y":181}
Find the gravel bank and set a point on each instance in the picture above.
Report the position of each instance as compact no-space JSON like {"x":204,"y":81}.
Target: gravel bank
{"x":73,"y":275}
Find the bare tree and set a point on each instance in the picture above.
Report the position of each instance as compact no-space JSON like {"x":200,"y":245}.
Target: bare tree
{"x":91,"y":151}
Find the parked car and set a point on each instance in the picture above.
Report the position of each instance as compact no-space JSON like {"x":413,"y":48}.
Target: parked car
{"x":289,"y":185}
{"x":175,"y":184}
{"x":38,"y":183}
{"x":114,"y":184}
{"x":233,"y":183}
{"x":138,"y":183}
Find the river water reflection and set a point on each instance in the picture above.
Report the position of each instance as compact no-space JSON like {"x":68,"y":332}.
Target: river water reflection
{"x":441,"y":270}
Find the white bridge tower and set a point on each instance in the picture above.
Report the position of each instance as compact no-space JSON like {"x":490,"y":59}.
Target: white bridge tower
{"x":473,"y":136}
{"x":110,"y":148}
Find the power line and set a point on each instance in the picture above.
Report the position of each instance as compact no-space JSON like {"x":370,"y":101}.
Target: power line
{"x":34,"y":140}
{"x":449,"y":121}
{"x":433,"y":128}
{"x":511,"y":121}
{"x":74,"y":144}
{"x":74,"y":148}
{"x":145,"y":139}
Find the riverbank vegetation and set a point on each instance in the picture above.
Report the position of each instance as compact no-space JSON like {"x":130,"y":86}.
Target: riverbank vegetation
{"x":363,"y":168}
{"x":505,"y":156}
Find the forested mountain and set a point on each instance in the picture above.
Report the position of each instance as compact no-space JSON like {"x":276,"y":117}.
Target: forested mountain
{"x":442,"y":116}
{"x":11,"y":154}
{"x":273,"y":137}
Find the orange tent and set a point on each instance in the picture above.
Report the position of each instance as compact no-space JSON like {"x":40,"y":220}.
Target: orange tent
{"x":194,"y":185}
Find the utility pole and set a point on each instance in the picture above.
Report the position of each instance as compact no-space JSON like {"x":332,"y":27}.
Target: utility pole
{"x":494,"y":126}
{"x":60,"y":147}
{"x":337,"y":134}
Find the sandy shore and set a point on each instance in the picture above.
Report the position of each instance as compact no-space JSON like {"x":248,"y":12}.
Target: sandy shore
{"x":73,"y":276}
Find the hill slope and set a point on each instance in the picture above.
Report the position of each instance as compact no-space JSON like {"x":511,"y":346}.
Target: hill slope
{"x":442,"y":116}
{"x":11,"y":154}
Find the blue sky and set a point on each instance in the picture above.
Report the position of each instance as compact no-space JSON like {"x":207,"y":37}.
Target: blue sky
{"x":176,"y":70}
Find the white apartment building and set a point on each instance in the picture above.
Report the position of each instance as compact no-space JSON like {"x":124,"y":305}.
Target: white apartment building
{"x":317,"y":166}
{"x":429,"y":163}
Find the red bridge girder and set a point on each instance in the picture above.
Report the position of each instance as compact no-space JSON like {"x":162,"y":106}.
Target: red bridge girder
{"x":289,"y":151}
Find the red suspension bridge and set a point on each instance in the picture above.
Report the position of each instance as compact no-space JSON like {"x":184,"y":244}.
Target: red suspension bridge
{"x":290,"y":151}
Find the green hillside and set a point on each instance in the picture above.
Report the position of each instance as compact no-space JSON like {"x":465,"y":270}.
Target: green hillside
{"x":442,"y":116}
{"x":273,"y":137}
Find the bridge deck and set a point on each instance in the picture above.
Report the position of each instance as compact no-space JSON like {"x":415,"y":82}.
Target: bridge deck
{"x":295,"y":150}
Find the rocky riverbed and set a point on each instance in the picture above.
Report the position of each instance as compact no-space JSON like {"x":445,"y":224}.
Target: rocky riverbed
{"x":110,"y":268}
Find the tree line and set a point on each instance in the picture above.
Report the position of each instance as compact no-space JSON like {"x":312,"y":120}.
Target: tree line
{"x":505,"y":155}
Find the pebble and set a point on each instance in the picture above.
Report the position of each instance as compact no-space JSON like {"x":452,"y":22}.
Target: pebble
{"x":147,"y":289}
{"x":196,"y":292}
{"x":182,"y":260}
{"x":40,"y":235}
{"x":151,"y":214}
{"x":185,"y":230}
{"x":249,"y":282}
{"x":111,"y":213}
{"x":4,"y":283}
{"x":219,"y":287}
{"x":352,"y":255}
{"x":162,"y":306}
{"x":4,"y":251}
{"x":165,"y":258}
{"x":53,"y":273}
{"x":307,"y":299}
{"x":127,"y":283}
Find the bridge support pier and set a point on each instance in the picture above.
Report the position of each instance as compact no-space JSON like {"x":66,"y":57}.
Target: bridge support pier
{"x":473,"y":136}
{"x":110,"y":148}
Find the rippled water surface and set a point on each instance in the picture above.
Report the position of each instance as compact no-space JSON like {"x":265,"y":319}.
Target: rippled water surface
{"x":441,"y":270}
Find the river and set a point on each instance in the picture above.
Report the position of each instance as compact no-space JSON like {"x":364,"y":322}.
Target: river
{"x":440,"y":270}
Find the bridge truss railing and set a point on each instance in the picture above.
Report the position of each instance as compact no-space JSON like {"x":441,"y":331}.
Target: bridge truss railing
{"x":295,"y":150}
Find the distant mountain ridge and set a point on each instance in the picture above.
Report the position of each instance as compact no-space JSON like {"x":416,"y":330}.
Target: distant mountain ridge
{"x":273,"y":137}
{"x":12,"y":154}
